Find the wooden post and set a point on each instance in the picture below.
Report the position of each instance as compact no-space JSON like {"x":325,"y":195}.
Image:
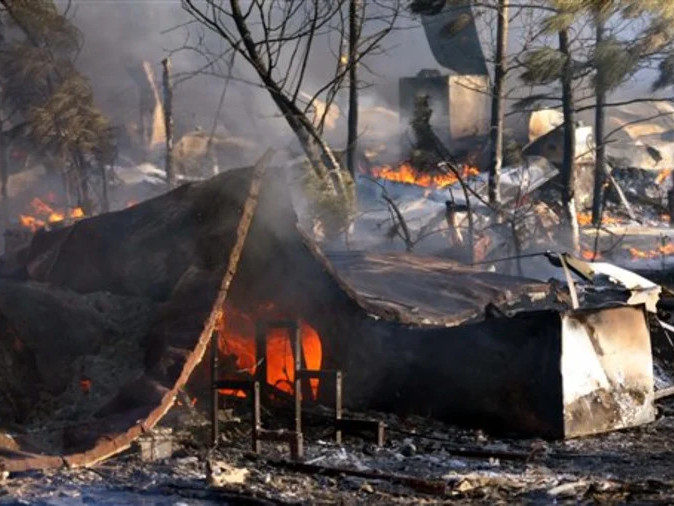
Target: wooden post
{"x":215,"y":395}
{"x":168,"y":121}
{"x":261,"y":356}
{"x":296,"y":336}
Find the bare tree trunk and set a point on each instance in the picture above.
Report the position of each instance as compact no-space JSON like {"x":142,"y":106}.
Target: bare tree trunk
{"x":317,"y":151}
{"x":4,"y":176}
{"x":498,"y":105}
{"x":168,"y":121}
{"x":354,"y":35}
{"x":600,"y":127}
{"x":81,"y":173}
{"x":105,"y":199}
{"x":569,"y":160}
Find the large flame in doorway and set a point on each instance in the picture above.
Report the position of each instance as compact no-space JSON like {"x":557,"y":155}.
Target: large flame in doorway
{"x":236,"y":342}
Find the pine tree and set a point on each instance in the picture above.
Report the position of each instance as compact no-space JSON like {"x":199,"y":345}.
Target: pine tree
{"x":40,"y":84}
{"x":616,"y":59}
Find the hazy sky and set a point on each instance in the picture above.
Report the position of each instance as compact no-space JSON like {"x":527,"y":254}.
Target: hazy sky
{"x":121,"y":32}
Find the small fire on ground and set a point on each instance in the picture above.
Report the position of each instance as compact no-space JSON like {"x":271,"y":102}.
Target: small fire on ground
{"x":41,"y":214}
{"x":585,"y":219}
{"x":236,"y":342}
{"x":406,"y":173}
{"x":659,"y":252}
{"x":590,"y":255}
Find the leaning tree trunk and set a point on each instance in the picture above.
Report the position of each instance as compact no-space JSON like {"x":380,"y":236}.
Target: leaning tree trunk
{"x":599,"y":126}
{"x":569,"y":160}
{"x":318,"y":152}
{"x":352,"y":139}
{"x":498,"y":106}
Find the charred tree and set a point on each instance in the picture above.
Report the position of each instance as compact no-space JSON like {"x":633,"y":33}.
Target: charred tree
{"x":263,"y":58}
{"x":599,"y":126}
{"x":168,"y":121}
{"x":498,"y":104}
{"x":569,"y":157}
{"x":354,"y":35}
{"x":4,"y":174}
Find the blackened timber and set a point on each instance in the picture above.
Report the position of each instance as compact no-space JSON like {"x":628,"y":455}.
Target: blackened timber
{"x":358,"y":426}
{"x":215,"y":397}
{"x":325,"y":375}
{"x":431,"y":487}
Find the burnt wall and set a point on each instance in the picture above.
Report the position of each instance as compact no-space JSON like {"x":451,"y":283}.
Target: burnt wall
{"x":500,"y":373}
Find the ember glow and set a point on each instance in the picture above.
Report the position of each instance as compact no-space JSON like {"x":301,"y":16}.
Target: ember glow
{"x":590,"y":255}
{"x":85,"y":385}
{"x":42,"y":214}
{"x":237,"y":341}
{"x":406,"y":173}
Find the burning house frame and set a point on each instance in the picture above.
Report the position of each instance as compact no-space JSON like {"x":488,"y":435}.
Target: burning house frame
{"x":123,"y":306}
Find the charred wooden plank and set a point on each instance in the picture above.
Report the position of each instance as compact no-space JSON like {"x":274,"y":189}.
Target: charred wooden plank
{"x":421,"y":485}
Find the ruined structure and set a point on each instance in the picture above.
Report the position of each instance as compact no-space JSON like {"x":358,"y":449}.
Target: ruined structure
{"x":114,"y":313}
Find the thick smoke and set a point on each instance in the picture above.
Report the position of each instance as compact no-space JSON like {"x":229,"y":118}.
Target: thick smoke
{"x":124,"y":33}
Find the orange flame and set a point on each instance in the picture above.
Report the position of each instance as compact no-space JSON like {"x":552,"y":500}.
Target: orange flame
{"x":237,"y":339}
{"x":660,"y":251}
{"x":41,"y":214}
{"x":406,"y":173}
{"x":663,"y":175}
{"x":589,"y":255}
{"x":585,"y":219}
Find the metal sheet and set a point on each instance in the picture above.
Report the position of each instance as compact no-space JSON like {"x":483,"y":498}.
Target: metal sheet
{"x":453,"y":37}
{"x":607,"y":370}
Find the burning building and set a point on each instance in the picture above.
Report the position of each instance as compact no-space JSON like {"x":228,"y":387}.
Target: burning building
{"x":103,"y":322}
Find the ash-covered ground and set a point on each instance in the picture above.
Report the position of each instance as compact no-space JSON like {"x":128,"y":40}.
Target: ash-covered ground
{"x":423,"y":462}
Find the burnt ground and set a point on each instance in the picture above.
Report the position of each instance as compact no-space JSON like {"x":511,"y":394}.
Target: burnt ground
{"x":423,"y":462}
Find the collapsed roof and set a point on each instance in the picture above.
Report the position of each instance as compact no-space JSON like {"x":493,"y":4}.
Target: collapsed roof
{"x":103,"y":322}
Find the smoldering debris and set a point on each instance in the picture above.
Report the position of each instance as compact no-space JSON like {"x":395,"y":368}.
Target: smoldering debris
{"x":448,"y":464}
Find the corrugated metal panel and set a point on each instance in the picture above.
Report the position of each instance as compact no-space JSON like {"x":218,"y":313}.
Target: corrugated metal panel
{"x":453,"y":37}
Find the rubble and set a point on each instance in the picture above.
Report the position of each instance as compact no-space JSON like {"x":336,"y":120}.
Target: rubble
{"x":393,"y":320}
{"x":156,"y":445}
{"x":626,"y":466}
